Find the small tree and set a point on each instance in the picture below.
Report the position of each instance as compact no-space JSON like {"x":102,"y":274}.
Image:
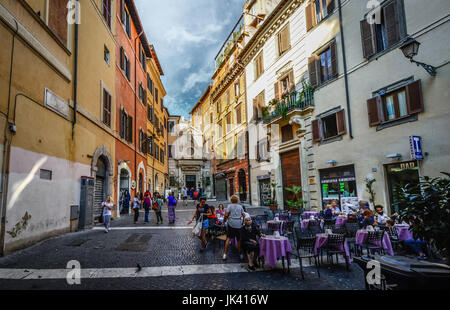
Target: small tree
{"x":426,"y":207}
{"x":298,"y":202}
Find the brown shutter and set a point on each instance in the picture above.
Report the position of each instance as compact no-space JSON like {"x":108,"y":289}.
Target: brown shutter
{"x":130,"y":128}
{"x":122,"y":11}
{"x":368,"y":38}
{"x":330,"y":6}
{"x":414,"y":99}
{"x":291,"y":81}
{"x":121,"y":58}
{"x":109,"y":109}
{"x":312,"y":68}
{"x":334,"y":67}
{"x":392,"y":23}
{"x":277,"y":91}
{"x":373,"y":111}
{"x":340,"y":121}
{"x":121,"y":123}
{"x":315,"y":130}
{"x":310,"y":16}
{"x":128,"y":70}
{"x":286,"y":133}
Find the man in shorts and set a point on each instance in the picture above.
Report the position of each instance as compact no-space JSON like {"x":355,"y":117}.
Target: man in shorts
{"x":233,"y":217}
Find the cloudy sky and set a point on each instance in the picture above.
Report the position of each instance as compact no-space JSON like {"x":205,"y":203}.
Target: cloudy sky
{"x":187,"y":35}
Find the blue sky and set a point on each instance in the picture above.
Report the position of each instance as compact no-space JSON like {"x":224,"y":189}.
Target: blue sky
{"x":187,"y":35}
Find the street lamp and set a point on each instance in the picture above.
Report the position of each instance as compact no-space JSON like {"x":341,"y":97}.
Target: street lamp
{"x":410,"y":48}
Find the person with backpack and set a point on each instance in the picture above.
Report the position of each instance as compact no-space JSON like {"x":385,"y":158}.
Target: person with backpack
{"x":147,"y":204}
{"x":157,"y":206}
{"x":196,"y":195}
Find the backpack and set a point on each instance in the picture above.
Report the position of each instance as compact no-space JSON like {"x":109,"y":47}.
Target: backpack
{"x":155,"y":206}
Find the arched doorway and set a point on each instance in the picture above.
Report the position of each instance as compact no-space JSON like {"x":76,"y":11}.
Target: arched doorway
{"x":124,"y":187}
{"x":141,"y":183}
{"x":242,"y":185}
{"x":100,"y":187}
{"x":156,"y":184}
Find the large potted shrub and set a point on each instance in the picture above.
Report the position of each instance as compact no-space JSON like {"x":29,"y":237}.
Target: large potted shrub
{"x":426,"y":207}
{"x":297,"y":203}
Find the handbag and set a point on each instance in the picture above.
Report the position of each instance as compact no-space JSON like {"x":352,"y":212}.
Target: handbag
{"x":197,"y":231}
{"x":155,"y":206}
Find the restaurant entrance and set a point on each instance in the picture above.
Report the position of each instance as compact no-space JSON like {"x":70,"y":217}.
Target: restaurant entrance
{"x":398,"y":175}
{"x":339,"y":183}
{"x":290,"y":168}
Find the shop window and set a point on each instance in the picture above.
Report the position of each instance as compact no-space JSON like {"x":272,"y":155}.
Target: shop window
{"x":339,"y":184}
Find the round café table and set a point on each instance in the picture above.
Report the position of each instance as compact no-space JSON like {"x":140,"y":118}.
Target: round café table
{"x":321,"y":241}
{"x":404,"y":233}
{"x":272,"y":249}
{"x":361,"y":236}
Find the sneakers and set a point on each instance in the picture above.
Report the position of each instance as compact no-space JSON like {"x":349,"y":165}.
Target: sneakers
{"x":106,"y":230}
{"x":224,"y":256}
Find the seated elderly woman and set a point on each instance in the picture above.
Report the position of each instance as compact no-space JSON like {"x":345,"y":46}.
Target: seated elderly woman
{"x":249,"y":241}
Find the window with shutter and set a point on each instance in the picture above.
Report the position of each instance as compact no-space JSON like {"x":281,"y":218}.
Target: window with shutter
{"x":283,"y":40}
{"x":106,"y":108}
{"x":121,"y":129}
{"x":368,"y":38}
{"x":340,"y":119}
{"x":122,"y":63}
{"x":373,"y":111}
{"x":315,"y":124}
{"x":122,"y":11}
{"x":414,"y":98}
{"x":107,"y":12}
{"x":259,"y":65}
{"x":312,"y":70}
{"x":276,"y":90}
{"x":238,"y":114}
{"x":333,"y":55}
{"x":286,"y":133}
{"x":391,"y":23}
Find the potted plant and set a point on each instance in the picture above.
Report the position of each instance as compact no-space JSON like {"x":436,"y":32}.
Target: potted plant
{"x":426,"y":207}
{"x":370,"y":190}
{"x":297,"y":204}
{"x":273,"y":202}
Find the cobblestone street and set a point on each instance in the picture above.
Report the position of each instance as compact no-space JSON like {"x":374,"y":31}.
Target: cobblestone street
{"x":172,"y":249}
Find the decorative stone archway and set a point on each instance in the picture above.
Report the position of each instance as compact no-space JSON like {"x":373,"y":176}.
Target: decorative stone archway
{"x":102,"y":153}
{"x":144,"y":176}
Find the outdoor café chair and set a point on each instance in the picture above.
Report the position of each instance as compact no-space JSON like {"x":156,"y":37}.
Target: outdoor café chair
{"x":305,"y":249}
{"x":314,"y":228}
{"x":393,"y":236}
{"x":335,"y":246}
{"x":351,"y":229}
{"x":374,"y":241}
{"x":329,"y":223}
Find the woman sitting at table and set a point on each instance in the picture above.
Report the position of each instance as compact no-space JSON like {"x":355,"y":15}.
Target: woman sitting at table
{"x":249,"y":241}
{"x":328,"y":213}
{"x":335,"y":208}
{"x":367,"y":220}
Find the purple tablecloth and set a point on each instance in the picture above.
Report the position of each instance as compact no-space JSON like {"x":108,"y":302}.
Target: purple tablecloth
{"x":341,"y":220}
{"x":321,"y":240}
{"x":404,"y":233}
{"x":273,"y":249}
{"x":309,"y":213}
{"x":361,"y":236}
{"x":275,"y":222}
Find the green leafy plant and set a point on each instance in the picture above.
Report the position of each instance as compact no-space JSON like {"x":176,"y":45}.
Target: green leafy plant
{"x":426,"y":207}
{"x":298,"y":202}
{"x":273,"y":200}
{"x":370,"y":190}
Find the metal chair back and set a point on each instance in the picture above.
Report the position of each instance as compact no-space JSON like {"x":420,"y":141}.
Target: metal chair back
{"x":335,"y":240}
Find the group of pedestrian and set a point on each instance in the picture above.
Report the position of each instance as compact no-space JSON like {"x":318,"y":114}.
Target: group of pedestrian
{"x":239,"y":227}
{"x":146,"y":201}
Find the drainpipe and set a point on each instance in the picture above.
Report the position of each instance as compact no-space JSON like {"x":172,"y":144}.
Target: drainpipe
{"x":75,"y":83}
{"x":135,"y":110}
{"x":248,"y":168}
{"x":347,"y":96}
{"x":6,"y":150}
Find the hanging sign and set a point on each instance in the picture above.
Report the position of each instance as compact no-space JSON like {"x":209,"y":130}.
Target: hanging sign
{"x":415,"y":146}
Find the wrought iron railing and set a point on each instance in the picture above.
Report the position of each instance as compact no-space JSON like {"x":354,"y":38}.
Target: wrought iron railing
{"x":294,"y":100}
{"x":230,"y":42}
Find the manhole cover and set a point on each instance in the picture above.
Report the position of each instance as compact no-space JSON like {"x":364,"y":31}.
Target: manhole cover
{"x":135,"y":243}
{"x":79,"y":242}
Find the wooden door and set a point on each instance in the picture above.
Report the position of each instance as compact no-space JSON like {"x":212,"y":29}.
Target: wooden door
{"x":290,"y":167}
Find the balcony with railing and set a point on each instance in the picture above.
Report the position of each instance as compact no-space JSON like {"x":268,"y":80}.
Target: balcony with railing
{"x":230,"y":42}
{"x":294,"y":101}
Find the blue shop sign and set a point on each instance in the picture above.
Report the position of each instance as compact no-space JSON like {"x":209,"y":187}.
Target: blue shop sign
{"x":415,"y":145}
